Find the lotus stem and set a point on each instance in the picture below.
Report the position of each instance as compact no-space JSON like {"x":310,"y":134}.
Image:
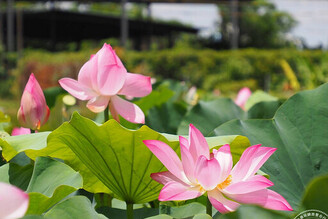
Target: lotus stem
{"x":129,"y":210}
{"x":209,"y":207}
{"x":106,"y":116}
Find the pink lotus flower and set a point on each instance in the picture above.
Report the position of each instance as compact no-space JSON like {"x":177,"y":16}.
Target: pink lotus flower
{"x":20,"y":131}
{"x":200,"y":171}
{"x":33,"y":111}
{"x":243,"y":96}
{"x":102,"y":79}
{"x":13,"y":202}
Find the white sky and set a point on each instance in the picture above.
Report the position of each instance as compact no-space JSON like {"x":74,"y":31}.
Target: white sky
{"x":202,"y":16}
{"x":312,"y":17}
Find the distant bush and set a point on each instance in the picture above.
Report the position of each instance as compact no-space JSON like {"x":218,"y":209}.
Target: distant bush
{"x":205,"y":68}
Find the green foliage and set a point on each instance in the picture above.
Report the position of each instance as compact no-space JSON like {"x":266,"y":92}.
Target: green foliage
{"x":50,"y":182}
{"x":74,"y":207}
{"x":208,"y":115}
{"x":13,"y":145}
{"x":298,"y":130}
{"x":316,"y":194}
{"x":246,"y":212}
{"x":227,"y":71}
{"x":257,"y":97}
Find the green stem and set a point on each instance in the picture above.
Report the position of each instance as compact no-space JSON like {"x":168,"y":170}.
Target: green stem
{"x":32,"y":131}
{"x":129,"y":210}
{"x":103,"y":199}
{"x":209,"y":207}
{"x":106,"y":115}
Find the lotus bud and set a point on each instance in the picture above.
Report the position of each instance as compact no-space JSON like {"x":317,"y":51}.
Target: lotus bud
{"x":33,"y":111}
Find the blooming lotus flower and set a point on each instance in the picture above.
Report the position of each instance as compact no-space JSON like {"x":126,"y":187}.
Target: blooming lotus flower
{"x":20,"y":131}
{"x":13,"y":202}
{"x":200,"y":171}
{"x":243,"y":96}
{"x":33,"y":111}
{"x":102,"y":79}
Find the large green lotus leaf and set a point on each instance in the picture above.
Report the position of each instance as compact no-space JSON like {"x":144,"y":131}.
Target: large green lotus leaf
{"x":47,"y":183}
{"x":51,"y":182}
{"x":166,"y":118}
{"x":118,"y":157}
{"x":12,"y":145}
{"x":161,"y":216}
{"x":263,"y":110}
{"x":316,"y":194}
{"x":115,"y":155}
{"x":16,"y":175}
{"x":299,"y":131}
{"x":156,"y":98}
{"x":247,"y":212}
{"x":35,"y":145}
{"x":72,"y":208}
{"x":206,"y":116}
{"x":257,"y":97}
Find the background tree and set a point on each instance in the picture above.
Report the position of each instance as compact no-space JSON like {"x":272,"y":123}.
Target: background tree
{"x":261,"y":25}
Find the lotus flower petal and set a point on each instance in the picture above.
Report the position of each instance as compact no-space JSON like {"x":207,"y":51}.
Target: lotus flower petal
{"x":164,"y":177}
{"x":188,"y":163}
{"x":253,"y":184}
{"x":223,"y":156}
{"x":207,"y":172}
{"x":20,"y":131}
{"x":77,"y":89}
{"x":221,"y":203}
{"x":258,"y":197}
{"x":243,"y":96}
{"x":198,"y":144}
{"x":276,"y":202}
{"x":13,"y":202}
{"x":136,"y":85}
{"x":251,"y":161}
{"x":98,"y":103}
{"x":175,"y":191}
{"x":88,"y":74}
{"x":167,"y":156}
{"x":127,"y":110}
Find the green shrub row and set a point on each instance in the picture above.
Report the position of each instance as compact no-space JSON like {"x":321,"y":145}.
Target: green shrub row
{"x":208,"y":69}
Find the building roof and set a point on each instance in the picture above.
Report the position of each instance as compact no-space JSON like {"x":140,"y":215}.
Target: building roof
{"x":144,"y":1}
{"x":67,"y":26}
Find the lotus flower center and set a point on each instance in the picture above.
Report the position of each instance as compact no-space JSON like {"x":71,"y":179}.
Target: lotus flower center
{"x":225,"y":183}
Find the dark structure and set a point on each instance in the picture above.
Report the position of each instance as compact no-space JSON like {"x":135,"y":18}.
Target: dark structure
{"x":54,"y":23}
{"x":56,"y":26}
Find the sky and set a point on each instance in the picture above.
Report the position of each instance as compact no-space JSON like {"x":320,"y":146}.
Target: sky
{"x":311,"y":15}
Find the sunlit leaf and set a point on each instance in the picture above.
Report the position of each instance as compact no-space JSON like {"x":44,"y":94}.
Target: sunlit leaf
{"x":257,"y":97}
{"x":13,"y":145}
{"x":74,"y":207}
{"x":51,"y":182}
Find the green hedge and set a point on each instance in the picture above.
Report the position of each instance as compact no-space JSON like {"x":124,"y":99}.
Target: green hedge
{"x":208,"y":69}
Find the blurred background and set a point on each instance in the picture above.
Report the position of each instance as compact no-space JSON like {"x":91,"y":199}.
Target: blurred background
{"x":215,"y":47}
